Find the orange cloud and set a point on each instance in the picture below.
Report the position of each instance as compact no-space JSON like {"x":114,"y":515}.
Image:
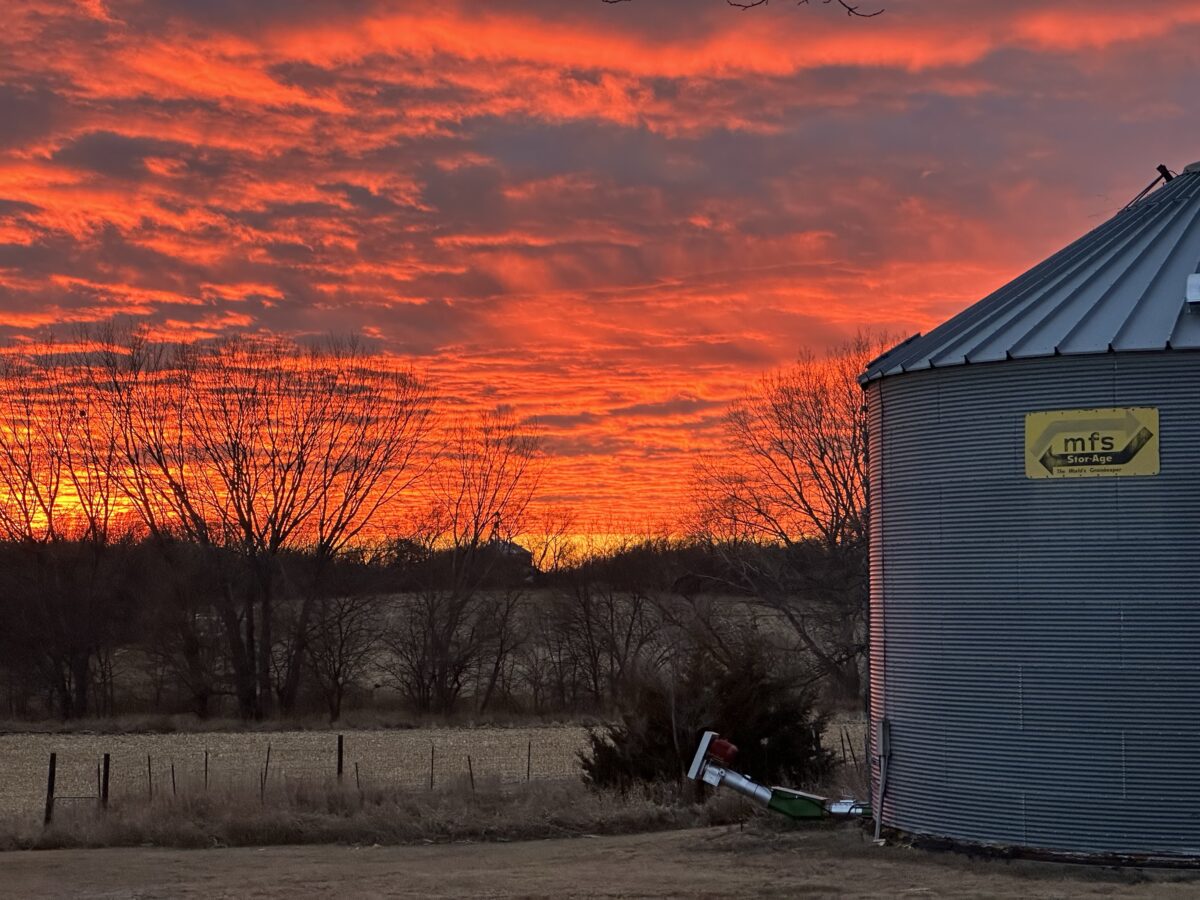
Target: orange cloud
{"x":609,"y":217}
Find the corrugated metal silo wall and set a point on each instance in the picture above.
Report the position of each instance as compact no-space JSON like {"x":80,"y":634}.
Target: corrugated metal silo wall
{"x":1036,"y":643}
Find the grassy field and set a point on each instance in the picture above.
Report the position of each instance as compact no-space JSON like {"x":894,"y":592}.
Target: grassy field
{"x":385,"y":759}
{"x":328,"y":813}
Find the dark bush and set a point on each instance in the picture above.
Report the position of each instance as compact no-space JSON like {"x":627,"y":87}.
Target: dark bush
{"x":751,"y":702}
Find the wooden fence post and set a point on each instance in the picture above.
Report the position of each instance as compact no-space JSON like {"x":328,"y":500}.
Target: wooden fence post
{"x":50,"y":789}
{"x":262,"y":785}
{"x":104,"y":783}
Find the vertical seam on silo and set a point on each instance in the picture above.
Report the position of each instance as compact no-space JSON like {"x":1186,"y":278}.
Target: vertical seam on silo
{"x":880,"y":644}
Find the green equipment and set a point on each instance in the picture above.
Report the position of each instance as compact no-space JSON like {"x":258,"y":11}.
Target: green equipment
{"x":711,"y":765}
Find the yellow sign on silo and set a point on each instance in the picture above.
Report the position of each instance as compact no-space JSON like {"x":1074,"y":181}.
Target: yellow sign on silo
{"x":1090,"y":443}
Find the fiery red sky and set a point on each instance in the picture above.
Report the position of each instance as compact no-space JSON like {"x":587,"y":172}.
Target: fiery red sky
{"x":611,"y":217}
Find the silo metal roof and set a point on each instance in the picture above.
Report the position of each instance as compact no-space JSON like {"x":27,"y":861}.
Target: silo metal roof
{"x":1118,"y":288}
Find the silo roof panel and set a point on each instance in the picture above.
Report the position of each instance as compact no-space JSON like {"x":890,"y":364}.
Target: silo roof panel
{"x":1154,"y":315}
{"x":1187,"y":329}
{"x":1120,"y":287}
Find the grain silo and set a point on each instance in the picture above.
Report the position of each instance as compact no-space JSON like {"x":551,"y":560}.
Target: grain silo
{"x":1035,"y":551}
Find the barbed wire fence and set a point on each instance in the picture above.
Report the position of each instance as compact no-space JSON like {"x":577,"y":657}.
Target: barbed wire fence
{"x":82,"y":774}
{"x":83,"y":781}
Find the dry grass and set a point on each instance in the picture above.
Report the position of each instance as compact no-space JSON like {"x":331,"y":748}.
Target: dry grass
{"x":384,"y":758}
{"x":307,"y":813}
{"x":303,"y":805}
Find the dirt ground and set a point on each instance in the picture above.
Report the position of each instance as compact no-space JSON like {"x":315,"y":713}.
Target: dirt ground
{"x":716,"y":862}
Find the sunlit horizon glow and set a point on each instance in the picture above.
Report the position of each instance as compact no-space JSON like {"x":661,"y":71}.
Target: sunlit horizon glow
{"x":610,"y":218}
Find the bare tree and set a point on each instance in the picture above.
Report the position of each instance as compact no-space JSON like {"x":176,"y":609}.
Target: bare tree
{"x":296,"y":439}
{"x":182,"y":628}
{"x":551,"y":541}
{"x":58,"y":500}
{"x":341,"y":645}
{"x":463,"y":614}
{"x":785,"y":503}
{"x":346,"y":436}
{"x":36,"y":426}
{"x":606,"y":607}
{"x":259,"y":445}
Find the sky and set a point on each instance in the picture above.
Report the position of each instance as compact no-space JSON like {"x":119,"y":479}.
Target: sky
{"x":610,"y":217}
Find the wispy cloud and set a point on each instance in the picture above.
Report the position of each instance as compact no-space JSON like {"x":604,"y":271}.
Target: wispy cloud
{"x":611,"y":217}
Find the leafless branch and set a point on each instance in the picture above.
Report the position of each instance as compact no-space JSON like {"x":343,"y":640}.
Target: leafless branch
{"x":750,"y":4}
{"x":850,"y":10}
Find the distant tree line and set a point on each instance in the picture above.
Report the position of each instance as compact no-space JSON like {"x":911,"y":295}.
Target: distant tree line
{"x":250,"y":527}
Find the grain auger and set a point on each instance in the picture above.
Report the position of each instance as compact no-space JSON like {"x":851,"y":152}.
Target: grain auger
{"x":711,"y":765}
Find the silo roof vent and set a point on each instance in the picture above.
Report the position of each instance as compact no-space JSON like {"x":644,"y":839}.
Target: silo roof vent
{"x":1124,"y":286}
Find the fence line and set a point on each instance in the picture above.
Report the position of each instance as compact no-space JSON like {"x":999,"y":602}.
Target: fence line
{"x":291,"y":759}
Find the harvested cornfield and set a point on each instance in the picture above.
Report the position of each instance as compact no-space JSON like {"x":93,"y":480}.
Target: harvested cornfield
{"x":163,"y":764}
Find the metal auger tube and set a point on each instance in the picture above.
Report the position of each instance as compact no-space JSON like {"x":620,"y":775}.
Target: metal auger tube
{"x":719,"y":777}
{"x":710,"y":763}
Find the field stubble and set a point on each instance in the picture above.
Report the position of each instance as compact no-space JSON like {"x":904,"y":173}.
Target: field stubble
{"x":389,"y":759}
